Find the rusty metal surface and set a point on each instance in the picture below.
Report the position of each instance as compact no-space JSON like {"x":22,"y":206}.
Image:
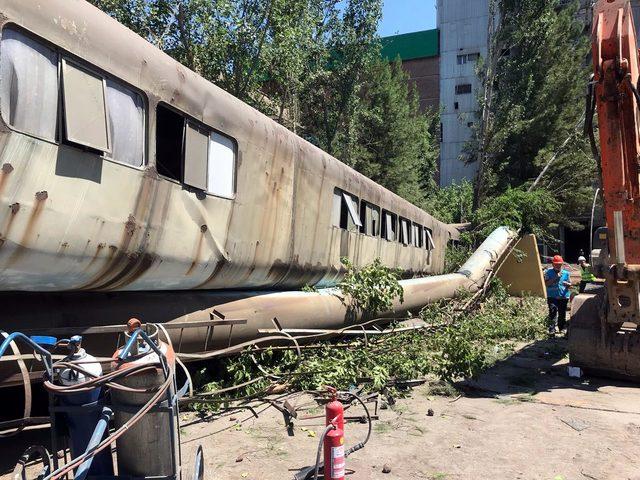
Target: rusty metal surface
{"x":193,"y":310}
{"x":71,"y":220}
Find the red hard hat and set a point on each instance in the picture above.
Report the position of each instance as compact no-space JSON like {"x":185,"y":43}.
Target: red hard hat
{"x":557,"y":260}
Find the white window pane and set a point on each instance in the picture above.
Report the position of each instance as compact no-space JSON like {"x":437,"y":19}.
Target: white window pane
{"x":85,"y":110}
{"x":336,"y":207}
{"x":126,"y":124}
{"x":29,"y":85}
{"x":222,"y":164}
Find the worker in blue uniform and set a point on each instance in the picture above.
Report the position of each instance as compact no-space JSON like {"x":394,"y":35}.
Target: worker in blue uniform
{"x":558,"y":282}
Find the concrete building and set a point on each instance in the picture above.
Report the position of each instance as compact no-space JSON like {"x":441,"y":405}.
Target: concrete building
{"x":463,"y":40}
{"x":419,"y":54}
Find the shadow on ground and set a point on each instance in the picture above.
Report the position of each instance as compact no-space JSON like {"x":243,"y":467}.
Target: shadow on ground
{"x":538,"y":372}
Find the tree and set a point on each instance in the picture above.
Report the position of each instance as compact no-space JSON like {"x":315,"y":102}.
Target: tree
{"x":393,"y":143}
{"x":532,"y":106}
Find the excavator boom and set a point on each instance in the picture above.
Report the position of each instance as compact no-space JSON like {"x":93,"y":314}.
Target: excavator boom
{"x":603,"y":335}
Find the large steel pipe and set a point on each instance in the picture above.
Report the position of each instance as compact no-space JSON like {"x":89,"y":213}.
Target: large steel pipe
{"x":329,"y":309}
{"x":204,"y":321}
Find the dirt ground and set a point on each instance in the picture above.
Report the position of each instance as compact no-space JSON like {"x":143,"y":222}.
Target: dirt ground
{"x":523,"y":419}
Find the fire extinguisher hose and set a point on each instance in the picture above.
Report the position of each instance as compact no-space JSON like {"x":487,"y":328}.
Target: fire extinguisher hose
{"x":359,"y":446}
{"x":319,"y":451}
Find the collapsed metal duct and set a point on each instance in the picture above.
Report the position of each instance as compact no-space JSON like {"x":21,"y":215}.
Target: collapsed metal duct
{"x":201,"y":323}
{"x":328,"y":309}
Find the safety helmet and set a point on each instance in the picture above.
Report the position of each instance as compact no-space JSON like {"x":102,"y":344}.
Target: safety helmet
{"x":581,"y":259}
{"x":557,"y":260}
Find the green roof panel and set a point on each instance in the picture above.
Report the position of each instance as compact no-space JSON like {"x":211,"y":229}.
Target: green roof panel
{"x":411,"y":45}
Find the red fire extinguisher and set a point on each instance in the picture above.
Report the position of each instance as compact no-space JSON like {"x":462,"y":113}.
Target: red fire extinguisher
{"x":334,"y":460}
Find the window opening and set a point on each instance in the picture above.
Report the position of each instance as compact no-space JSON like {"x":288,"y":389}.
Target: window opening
{"x":389,"y":226}
{"x":463,"y":89}
{"x":429,"y":245}
{"x":169,"y":135}
{"x":28,"y":85}
{"x":370,"y":216}
{"x":345,"y":211}
{"x":405,"y":231}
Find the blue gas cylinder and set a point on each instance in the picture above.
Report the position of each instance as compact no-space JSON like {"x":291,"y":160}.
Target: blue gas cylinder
{"x":82,"y":421}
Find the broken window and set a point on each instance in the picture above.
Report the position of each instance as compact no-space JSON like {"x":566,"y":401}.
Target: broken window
{"x":417,"y":235}
{"x":196,"y":152}
{"x":29,"y":85}
{"x":429,"y":245}
{"x":169,"y":135}
{"x":405,"y":231}
{"x":370,"y":216}
{"x":126,"y":124}
{"x":85,"y":107}
{"x":222,"y":164}
{"x":345,"y":211}
{"x":389,"y":226}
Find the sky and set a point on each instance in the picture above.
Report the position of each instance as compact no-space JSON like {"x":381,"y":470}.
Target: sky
{"x":404,"y":16}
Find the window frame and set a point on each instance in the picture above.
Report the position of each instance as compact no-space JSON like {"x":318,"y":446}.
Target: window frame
{"x":189,"y":119}
{"x":394,"y":219}
{"x":405,"y":241}
{"x":363,"y":218}
{"x":86,"y":65}
{"x":458,"y":90}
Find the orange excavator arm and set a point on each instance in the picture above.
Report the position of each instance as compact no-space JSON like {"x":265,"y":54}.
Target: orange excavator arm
{"x":603,"y":333}
{"x":616,"y":75}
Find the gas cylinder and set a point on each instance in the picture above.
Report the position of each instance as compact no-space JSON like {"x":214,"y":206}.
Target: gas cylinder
{"x":151,"y":446}
{"x":82,"y":421}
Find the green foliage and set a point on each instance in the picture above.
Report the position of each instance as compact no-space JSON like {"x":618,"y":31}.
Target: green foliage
{"x":451,"y":204}
{"x":372,"y":288}
{"x":459,"y":345}
{"x":531,"y":212}
{"x":392,"y":141}
{"x":533,"y":101}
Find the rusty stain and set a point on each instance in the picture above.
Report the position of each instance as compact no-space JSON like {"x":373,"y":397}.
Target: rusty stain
{"x":15,"y":208}
{"x":198,"y":251}
{"x":7,"y":168}
{"x":42,"y":196}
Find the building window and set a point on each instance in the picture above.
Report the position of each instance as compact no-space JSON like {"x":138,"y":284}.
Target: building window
{"x":222,"y":165}
{"x":456,"y":105}
{"x":126,"y":124}
{"x":463,"y":89}
{"x":405,"y":231}
{"x":29,"y":85}
{"x":345,"y":211}
{"x":370,"y":216}
{"x":169,"y":135}
{"x":465,"y":58}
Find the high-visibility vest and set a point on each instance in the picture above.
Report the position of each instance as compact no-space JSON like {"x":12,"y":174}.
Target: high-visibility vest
{"x":586,"y":275}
